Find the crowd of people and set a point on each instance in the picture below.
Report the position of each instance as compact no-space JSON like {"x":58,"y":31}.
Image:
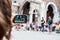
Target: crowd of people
{"x":44,"y":27}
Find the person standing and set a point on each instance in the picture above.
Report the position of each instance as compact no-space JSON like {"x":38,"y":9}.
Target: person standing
{"x":42,"y":23}
{"x":49,"y":23}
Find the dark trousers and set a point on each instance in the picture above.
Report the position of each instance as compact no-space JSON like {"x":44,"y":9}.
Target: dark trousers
{"x":42,"y":24}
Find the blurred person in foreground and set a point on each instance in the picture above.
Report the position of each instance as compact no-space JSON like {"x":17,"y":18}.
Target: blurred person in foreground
{"x":5,"y":22}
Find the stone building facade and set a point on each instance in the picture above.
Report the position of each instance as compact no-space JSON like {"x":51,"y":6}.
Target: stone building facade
{"x":36,"y":9}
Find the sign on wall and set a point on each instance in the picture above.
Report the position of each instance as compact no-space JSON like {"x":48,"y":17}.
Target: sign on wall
{"x":20,"y":19}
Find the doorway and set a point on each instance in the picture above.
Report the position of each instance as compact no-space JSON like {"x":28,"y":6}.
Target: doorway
{"x":26,"y":8}
{"x":50,"y":12}
{"x":33,"y":19}
{"x":35,"y":16}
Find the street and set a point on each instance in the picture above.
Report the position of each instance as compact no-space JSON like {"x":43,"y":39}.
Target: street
{"x":33,"y":35}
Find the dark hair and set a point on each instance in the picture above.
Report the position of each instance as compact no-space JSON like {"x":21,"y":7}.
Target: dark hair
{"x":5,"y":22}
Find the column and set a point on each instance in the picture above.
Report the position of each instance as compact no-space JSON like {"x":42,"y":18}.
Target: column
{"x":30,"y":13}
{"x":43,"y":10}
{"x":30,"y":21}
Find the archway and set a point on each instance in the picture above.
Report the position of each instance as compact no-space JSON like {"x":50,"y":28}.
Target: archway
{"x":26,"y":8}
{"x":49,"y":12}
{"x":35,"y":15}
{"x":51,"y":9}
